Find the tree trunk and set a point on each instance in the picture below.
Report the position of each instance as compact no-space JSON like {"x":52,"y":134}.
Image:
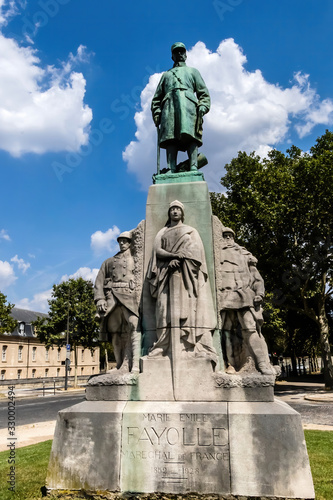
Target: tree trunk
{"x":325,"y":348}
{"x":106,"y":365}
{"x":294,"y":364}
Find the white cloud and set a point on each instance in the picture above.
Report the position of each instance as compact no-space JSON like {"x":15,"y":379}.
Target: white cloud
{"x":4,"y":235}
{"x":105,"y":242}
{"x":22,"y":265}
{"x":248,"y":113}
{"x":41,"y":109}
{"x":83,"y":272}
{"x":7,"y":275}
{"x":8,"y":9}
{"x":38,"y":303}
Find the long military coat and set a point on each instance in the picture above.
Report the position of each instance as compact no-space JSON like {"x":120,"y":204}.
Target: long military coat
{"x":179,"y":93}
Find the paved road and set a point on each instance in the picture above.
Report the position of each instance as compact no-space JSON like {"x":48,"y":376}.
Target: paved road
{"x":312,"y":412}
{"x":43,"y":409}
{"x":317,"y":413}
{"x":40,"y":409}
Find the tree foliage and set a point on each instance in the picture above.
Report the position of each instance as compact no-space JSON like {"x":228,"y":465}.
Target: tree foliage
{"x":7,"y":323}
{"x":281,"y":208}
{"x":71,"y":307}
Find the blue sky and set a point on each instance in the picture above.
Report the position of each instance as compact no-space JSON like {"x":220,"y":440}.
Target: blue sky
{"x":77,"y":143}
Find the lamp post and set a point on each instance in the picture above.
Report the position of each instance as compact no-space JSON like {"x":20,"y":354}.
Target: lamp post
{"x":68,"y":347}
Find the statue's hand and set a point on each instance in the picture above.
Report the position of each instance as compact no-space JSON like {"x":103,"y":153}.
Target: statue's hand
{"x":201,"y":111}
{"x":101,"y":306}
{"x":257,"y":300}
{"x":157,"y":120}
{"x":174,"y":264}
{"x":181,"y":254}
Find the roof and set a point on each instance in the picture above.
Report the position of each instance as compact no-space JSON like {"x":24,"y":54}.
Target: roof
{"x":26,"y":316}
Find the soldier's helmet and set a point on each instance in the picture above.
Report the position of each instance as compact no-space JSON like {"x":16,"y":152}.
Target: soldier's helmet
{"x":125,"y":234}
{"x":228,"y":230}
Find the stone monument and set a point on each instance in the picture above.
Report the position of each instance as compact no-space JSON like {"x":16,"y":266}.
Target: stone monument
{"x":190,"y":407}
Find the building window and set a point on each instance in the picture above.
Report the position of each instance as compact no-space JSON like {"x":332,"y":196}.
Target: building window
{"x":34,"y":349}
{"x":4,"y":352}
{"x":82,"y":370}
{"x":46,"y":372}
{"x":93,"y":355}
{"x":82,"y":355}
{"x":22,"y":328}
{"x":46,"y":354}
{"x":93,"y":370}
{"x":33,"y":373}
{"x":19,"y":373}
{"x":3,"y":375}
{"x":58,"y":355}
{"x":20,"y":351}
{"x":58,"y":372}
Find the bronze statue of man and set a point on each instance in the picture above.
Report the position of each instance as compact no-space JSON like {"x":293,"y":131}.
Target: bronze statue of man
{"x":178,"y":106}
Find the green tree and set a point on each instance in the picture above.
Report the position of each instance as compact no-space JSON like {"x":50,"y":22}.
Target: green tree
{"x":7,"y":323}
{"x":72,"y":313}
{"x":282,"y":209}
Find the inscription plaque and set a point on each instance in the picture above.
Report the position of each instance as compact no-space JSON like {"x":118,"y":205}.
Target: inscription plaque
{"x":175,"y":447}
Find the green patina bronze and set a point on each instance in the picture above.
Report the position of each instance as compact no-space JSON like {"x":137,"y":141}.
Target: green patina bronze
{"x":178,"y":106}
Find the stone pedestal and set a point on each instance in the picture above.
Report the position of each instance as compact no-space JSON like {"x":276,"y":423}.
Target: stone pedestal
{"x":238,"y":448}
{"x":182,"y":424}
{"x":195,"y":381}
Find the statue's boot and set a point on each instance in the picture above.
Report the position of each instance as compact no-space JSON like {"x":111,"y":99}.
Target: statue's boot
{"x":171,"y":153}
{"x":136,"y":351}
{"x":117,"y":349}
{"x":230,"y":361}
{"x":258,"y":350}
{"x":192,"y":152}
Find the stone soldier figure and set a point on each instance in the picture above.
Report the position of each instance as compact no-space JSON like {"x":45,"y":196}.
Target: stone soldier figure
{"x":240,"y":297}
{"x":178,"y":106}
{"x":117,"y":304}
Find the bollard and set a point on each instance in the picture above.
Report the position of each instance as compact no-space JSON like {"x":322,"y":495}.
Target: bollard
{"x":43,"y":388}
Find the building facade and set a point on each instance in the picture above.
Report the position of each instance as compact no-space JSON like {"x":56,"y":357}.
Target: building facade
{"x":24,"y":357}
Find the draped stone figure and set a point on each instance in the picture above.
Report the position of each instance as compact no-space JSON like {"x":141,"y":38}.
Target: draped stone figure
{"x":178,"y":280}
{"x":240,"y":301}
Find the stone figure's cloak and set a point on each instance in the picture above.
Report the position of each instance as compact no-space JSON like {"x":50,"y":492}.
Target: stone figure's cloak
{"x":239,"y":285}
{"x":179,"y":93}
{"x":197,"y":315}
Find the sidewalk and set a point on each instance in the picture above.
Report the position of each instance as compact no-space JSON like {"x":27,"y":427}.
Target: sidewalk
{"x":32,"y":392}
{"x":311,"y":391}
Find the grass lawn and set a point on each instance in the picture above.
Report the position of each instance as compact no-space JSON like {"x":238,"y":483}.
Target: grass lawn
{"x":320,"y":449}
{"x":31,"y":465}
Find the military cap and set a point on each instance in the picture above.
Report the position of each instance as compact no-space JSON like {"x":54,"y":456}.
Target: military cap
{"x":178,"y":45}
